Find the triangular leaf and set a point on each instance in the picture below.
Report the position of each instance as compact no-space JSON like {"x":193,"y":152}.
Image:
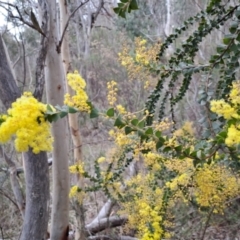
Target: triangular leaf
{"x":110,"y":112}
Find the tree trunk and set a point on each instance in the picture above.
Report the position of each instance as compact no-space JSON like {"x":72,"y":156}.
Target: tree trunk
{"x":73,"y":118}
{"x":37,"y":191}
{"x":55,"y":95}
{"x":36,"y":166}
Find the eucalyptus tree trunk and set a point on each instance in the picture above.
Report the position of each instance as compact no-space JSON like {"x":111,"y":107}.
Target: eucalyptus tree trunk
{"x":55,"y":84}
{"x":73,"y":120}
{"x":36,"y":165}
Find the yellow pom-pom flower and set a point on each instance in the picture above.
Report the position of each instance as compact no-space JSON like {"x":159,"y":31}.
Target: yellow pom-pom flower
{"x":26,"y":121}
{"x":79,"y":100}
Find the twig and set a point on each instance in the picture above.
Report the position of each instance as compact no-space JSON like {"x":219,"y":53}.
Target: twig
{"x":8,"y":197}
{"x":206,"y":225}
{"x":20,"y":17}
{"x":66,"y":26}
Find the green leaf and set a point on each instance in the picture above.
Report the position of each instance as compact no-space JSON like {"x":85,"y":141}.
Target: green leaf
{"x":119,"y":123}
{"x":187,"y":151}
{"x":167,"y":149}
{"x":94,"y":113}
{"x":63,"y":114}
{"x":72,"y":110}
{"x":133,"y":5}
{"x":52,"y":118}
{"x":196,"y":162}
{"x":122,"y":13}
{"x":160,"y":143}
{"x":233,"y":27}
{"x":49,"y":108}
{"x":134,"y":122}
{"x":178,"y":149}
{"x":141,"y":124}
{"x":149,"y":131}
{"x":199,"y":154}
{"x":220,"y":138}
{"x":158,"y":134}
{"x":228,"y":38}
{"x":128,"y":130}
{"x":59,"y":108}
{"x":110,"y":112}
{"x":116,"y":10}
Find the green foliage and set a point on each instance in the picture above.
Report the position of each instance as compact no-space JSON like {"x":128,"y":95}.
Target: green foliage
{"x":125,"y":6}
{"x":181,"y":66}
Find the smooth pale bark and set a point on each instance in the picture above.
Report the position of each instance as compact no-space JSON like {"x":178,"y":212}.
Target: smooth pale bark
{"x":73,"y":119}
{"x":104,"y":223}
{"x":36,"y":166}
{"x":55,"y":94}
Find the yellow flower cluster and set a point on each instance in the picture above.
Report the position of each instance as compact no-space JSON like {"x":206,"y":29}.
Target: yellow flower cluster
{"x":77,"y":169}
{"x":121,"y":109}
{"x":26,"y":120}
{"x":137,"y":65}
{"x":230,"y":110}
{"x":76,"y":192}
{"x":233,"y":135}
{"x":120,"y":138}
{"x":101,"y":160}
{"x":185,"y":170}
{"x":214,"y":186}
{"x":152,"y":160}
{"x":187,"y":129}
{"x":112,"y":92}
{"x":222,"y":108}
{"x":79,"y":100}
{"x":144,"y":211}
{"x":163,"y":125}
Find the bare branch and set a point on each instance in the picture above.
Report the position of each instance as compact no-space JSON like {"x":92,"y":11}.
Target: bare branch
{"x":66,"y":26}
{"x":8,"y":197}
{"x":104,"y":223}
{"x":21,"y":18}
{"x":105,"y":237}
{"x":95,"y":14}
{"x":103,"y":213}
{"x":14,"y":182}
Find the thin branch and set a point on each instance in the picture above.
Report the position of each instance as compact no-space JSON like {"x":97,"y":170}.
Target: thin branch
{"x":66,"y":26}
{"x":8,"y":197}
{"x":105,"y":237}
{"x":206,"y":224}
{"x":95,"y":14}
{"x":24,"y":59}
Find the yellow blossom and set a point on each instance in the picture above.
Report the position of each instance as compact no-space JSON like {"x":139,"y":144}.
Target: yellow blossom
{"x":101,"y":159}
{"x":27,"y":122}
{"x":121,"y":109}
{"x":112,"y":92}
{"x":79,"y":100}
{"x":77,"y":169}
